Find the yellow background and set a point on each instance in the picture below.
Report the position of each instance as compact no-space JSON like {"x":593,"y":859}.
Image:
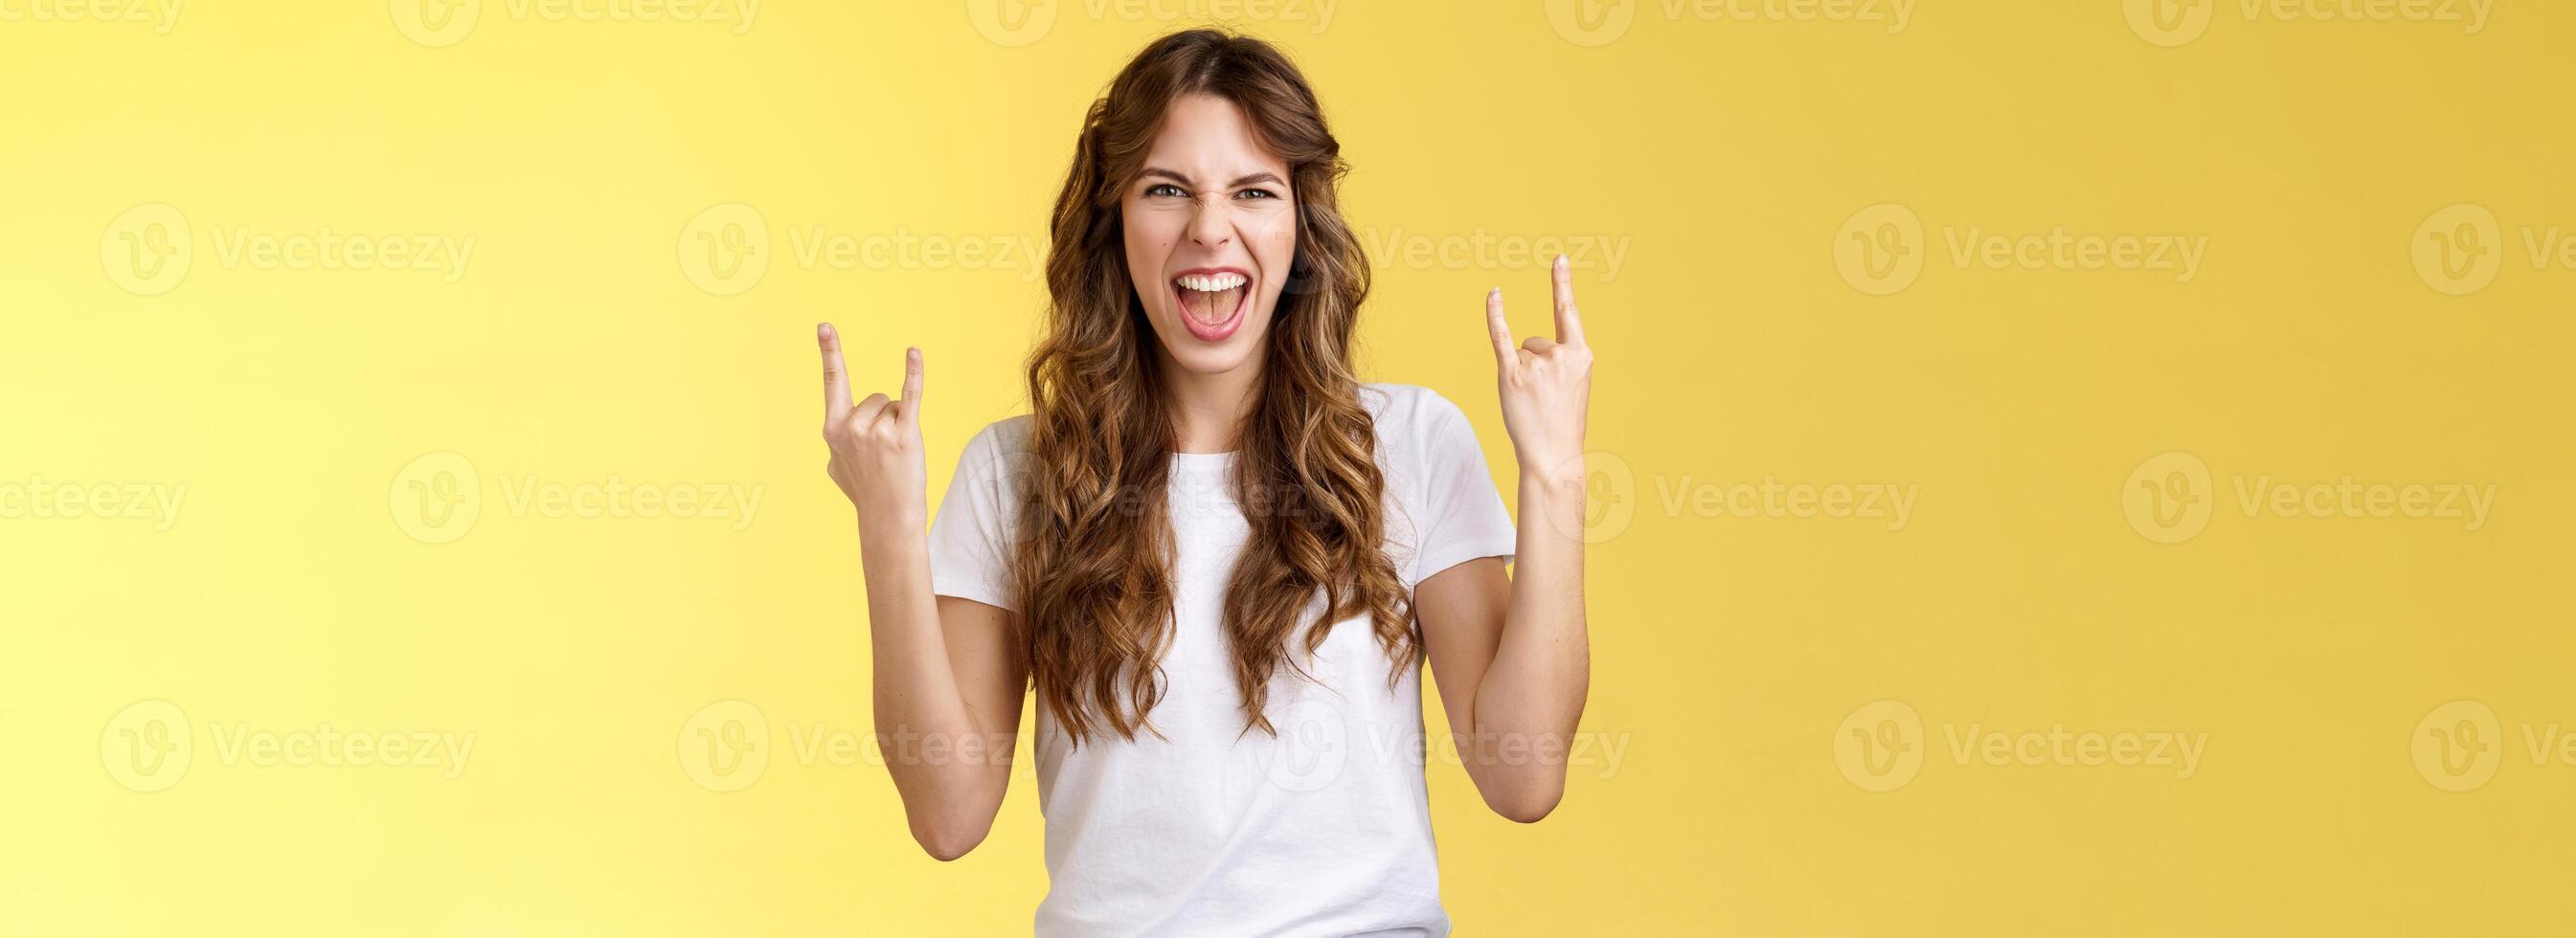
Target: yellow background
{"x":1730,"y":647}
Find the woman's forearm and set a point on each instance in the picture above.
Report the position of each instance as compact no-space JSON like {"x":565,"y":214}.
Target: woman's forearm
{"x":1529,"y":702}
{"x":942,"y":759}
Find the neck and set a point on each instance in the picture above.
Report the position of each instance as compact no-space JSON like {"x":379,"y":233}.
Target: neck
{"x":1208,"y":410}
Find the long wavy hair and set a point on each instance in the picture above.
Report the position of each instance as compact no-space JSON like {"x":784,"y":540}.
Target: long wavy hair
{"x":1092,"y":562}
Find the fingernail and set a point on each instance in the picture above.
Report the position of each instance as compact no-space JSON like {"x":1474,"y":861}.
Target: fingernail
{"x":822,"y":328}
{"x":913,"y":353}
{"x":1560,"y":262}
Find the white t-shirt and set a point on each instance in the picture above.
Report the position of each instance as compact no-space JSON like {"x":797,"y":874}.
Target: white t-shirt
{"x":1323,"y":830}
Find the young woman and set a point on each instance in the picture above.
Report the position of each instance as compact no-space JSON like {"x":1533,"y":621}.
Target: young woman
{"x":1220,"y":559}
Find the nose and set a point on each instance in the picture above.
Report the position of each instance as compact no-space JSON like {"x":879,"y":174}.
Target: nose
{"x":1208,"y":225}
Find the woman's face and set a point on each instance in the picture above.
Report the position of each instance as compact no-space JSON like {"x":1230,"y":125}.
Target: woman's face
{"x":1211,"y":227}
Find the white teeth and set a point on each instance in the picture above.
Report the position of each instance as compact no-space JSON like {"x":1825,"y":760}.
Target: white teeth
{"x":1210,"y":283}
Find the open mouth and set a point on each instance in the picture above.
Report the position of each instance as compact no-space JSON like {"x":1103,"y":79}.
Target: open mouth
{"x":1212,"y":301}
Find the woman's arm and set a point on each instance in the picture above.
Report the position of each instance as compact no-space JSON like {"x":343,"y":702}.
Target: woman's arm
{"x":1512,"y":654}
{"x":948,"y":672}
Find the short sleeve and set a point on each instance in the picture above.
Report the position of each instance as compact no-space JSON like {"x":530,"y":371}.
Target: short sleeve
{"x":968,"y":538}
{"x":1462,"y":513}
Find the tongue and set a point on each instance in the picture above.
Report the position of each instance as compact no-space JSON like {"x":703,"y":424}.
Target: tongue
{"x":1212,"y":307}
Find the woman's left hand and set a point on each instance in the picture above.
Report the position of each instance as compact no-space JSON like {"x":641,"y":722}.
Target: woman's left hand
{"x":1546,"y":385}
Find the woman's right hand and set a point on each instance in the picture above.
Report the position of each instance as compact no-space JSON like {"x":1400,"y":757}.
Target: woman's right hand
{"x":877,"y":456}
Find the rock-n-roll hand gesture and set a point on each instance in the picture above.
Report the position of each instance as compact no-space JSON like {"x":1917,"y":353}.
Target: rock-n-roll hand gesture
{"x":1546,"y":386}
{"x":876,"y":444}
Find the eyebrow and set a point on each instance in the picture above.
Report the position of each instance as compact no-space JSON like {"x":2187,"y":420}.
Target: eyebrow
{"x":1268,"y":177}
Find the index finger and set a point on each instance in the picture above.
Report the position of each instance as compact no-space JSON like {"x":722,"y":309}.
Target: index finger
{"x":912,"y":386}
{"x":1499,"y":330}
{"x":1569,"y":323}
{"x":836,"y":374}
